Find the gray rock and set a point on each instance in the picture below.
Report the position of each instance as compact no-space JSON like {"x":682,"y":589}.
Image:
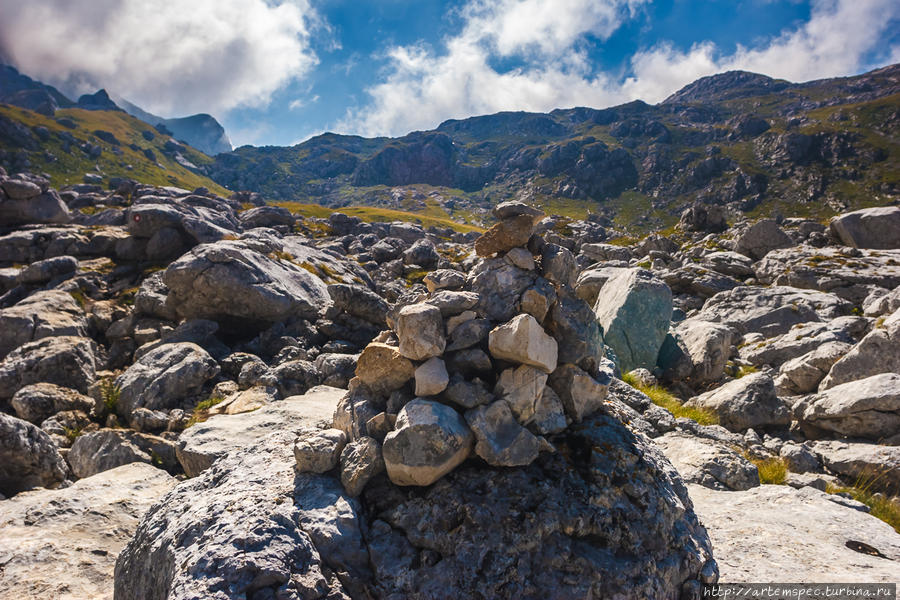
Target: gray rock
{"x":107,"y":449}
{"x":878,"y":352}
{"x":444,"y":279}
{"x":802,"y":339}
{"x":537,"y":300}
{"x":422,"y":253}
{"x":39,"y":401}
{"x":815,"y":536}
{"x":359,"y":301}
{"x":591,"y":281}
{"x":869,"y":228}
{"x":67,"y":361}
{"x":151,"y":297}
{"x":522,"y":388}
{"x":63,"y":543}
{"x":747,"y":402}
{"x":881,"y":302}
{"x":47,"y":207}
{"x":761,"y":238}
{"x":634,"y":310}
{"x":499,"y":439}
{"x":431,"y":377}
{"x":468,"y":334}
{"x":866,"y":465}
{"x":198,"y":218}
{"x":522,"y":340}
{"x":28,"y":457}
{"x":803,"y":374}
{"x":771,"y":310}
{"x":452,"y":303}
{"x":164,"y":377}
{"x":499,"y":284}
{"x":868,"y":408}
{"x":729,"y":263}
{"x":361,"y":460}
{"x":558,"y":265}
{"x":572,"y":324}
{"x":266,"y":216}
{"x":515,"y":208}
{"x":581,"y":394}
{"x":296,"y":532}
{"x":48,"y":269}
{"x":242,"y":280}
{"x":43,"y":314}
{"x":428,"y":441}
{"x":798,"y":458}
{"x":467,"y":394}
{"x":707,"y":346}
{"x":819,"y":481}
{"x":319,"y":451}
{"x":336,"y":369}
{"x":200,"y":445}
{"x":420,"y":330}
{"x":549,"y":413}
{"x":709,"y":463}
{"x":606,"y":252}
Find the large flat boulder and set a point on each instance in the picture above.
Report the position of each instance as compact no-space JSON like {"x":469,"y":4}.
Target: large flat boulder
{"x":42,"y":314}
{"x":252,"y":281}
{"x":200,"y":445}
{"x":778,"y":533}
{"x":869,"y":228}
{"x":63,"y":543}
{"x":634,"y":310}
{"x":878,"y":352}
{"x":868,"y":408}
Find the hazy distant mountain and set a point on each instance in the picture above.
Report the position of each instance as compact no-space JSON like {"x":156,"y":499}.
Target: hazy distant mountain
{"x":201,"y":131}
{"x":21,"y":90}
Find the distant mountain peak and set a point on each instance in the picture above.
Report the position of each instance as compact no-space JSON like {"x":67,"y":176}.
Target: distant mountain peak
{"x":99,"y":100}
{"x":726,"y":86}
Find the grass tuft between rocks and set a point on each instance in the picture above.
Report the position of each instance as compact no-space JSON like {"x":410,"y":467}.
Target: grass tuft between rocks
{"x":660,"y":396}
{"x":201,"y":411}
{"x":882,"y":506}
{"x":772,"y":470}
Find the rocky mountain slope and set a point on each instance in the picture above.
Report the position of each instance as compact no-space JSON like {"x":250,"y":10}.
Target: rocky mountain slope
{"x":740,"y":140}
{"x":201,"y":131}
{"x":340,"y":409}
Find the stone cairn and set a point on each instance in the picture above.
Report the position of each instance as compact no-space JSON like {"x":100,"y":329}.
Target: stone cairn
{"x":486,"y":363}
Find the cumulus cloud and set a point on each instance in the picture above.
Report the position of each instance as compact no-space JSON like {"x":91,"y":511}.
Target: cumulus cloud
{"x":424,"y":86}
{"x":164,"y":55}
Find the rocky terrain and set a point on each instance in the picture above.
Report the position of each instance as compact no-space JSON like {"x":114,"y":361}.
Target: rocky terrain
{"x":211,"y":397}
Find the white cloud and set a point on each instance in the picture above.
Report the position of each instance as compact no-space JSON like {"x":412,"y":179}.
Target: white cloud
{"x":423,"y":87}
{"x":165,"y":55}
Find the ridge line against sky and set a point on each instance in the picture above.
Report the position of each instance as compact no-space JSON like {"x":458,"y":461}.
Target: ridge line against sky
{"x":277,"y":72}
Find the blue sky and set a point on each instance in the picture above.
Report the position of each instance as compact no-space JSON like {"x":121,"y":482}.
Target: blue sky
{"x":279,"y":71}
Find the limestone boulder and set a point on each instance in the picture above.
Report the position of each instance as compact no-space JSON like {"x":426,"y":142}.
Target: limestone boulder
{"x":428,"y":441}
{"x":707,"y":346}
{"x":522,"y":388}
{"x":878,"y":352}
{"x":106,"y":449}
{"x":164,"y":377}
{"x":581,"y":394}
{"x":66,"y":361}
{"x":318,"y":451}
{"x":499,"y":439}
{"x":634,"y":310}
{"x":420,"y":329}
{"x":499,"y":285}
{"x":803,"y":374}
{"x":28,"y":457}
{"x":43,"y":314}
{"x":761,"y":238}
{"x":360,"y":461}
{"x":868,"y":408}
{"x":40,"y":401}
{"x":750,"y":401}
{"x":867,"y":465}
{"x":505,"y":235}
{"x":383,"y":368}
{"x":869,"y":228}
{"x":707,"y":462}
{"x":431,"y":377}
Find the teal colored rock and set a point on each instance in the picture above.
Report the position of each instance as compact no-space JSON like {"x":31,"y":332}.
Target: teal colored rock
{"x":634,"y":309}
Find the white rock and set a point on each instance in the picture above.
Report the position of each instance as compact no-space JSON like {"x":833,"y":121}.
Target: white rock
{"x":523,"y":340}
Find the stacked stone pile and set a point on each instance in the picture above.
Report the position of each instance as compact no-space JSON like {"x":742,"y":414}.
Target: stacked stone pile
{"x":483,"y":365}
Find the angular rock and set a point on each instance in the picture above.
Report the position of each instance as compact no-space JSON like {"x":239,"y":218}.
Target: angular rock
{"x":537,"y":300}
{"x":67,"y":361}
{"x":709,"y":463}
{"x":708,"y":346}
{"x":319,"y":451}
{"x":359,"y":301}
{"x":747,"y":402}
{"x":47,"y":207}
{"x":431,"y":377}
{"x":866,"y":465}
{"x":558,"y":265}
{"x":878,"y":352}
{"x":803,"y":374}
{"x":453,"y":303}
{"x":514,"y":208}
{"x":761,"y":238}
{"x":444,"y":279}
{"x":549,"y":413}
{"x":499,"y":439}
{"x":801,"y":339}
{"x":868,"y":408}
{"x":634,"y":310}
{"x":28,"y":457}
{"x":43,"y":314}
{"x":505,"y":235}
{"x":522,"y":389}
{"x":63,"y":543}
{"x":40,"y":401}
{"x":361,"y":460}
{"x":572,"y":324}
{"x":428,"y":441}
{"x":383,"y":369}
{"x":467,"y":394}
{"x":869,"y":228}
{"x":201,"y":444}
{"x":522,"y":340}
{"x":420,"y":330}
{"x":468,"y":334}
{"x":581,"y":394}
{"x":107,"y":449}
{"x":164,"y":377}
{"x":499,"y":284}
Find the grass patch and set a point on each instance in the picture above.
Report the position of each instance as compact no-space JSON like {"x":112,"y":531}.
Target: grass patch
{"x":79,"y":298}
{"x":882,"y":506}
{"x":201,"y":411}
{"x":376,"y":214}
{"x":745,"y":370}
{"x":660,"y":396}
{"x":72,"y":433}
{"x":772,"y":471}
